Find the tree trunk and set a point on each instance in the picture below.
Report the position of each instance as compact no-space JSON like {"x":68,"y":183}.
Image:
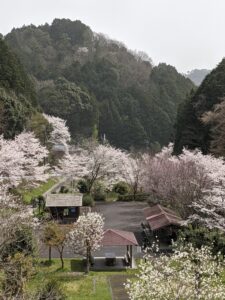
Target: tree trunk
{"x":49,"y":253}
{"x":134,"y":192}
{"x":88,"y":260}
{"x":61,"y":258}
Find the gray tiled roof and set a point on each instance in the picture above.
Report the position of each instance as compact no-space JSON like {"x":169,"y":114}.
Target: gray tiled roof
{"x":64,"y":200}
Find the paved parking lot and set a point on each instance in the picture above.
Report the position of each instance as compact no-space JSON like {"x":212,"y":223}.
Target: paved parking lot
{"x":118,"y":215}
{"x":123,"y":216}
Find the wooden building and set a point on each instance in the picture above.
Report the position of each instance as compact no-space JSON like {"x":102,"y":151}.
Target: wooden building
{"x":126,"y":239}
{"x":162,"y":222}
{"x":65,"y":208}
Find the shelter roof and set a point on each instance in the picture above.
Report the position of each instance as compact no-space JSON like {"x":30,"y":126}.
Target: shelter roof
{"x":114,"y":237}
{"x":158,"y":217}
{"x":64,"y":200}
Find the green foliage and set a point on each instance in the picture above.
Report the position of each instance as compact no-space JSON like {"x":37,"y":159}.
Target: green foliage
{"x":100,"y":87}
{"x":199,"y":236}
{"x":64,"y":189}
{"x":121,"y":188}
{"x":17,"y":271}
{"x":16,"y":94}
{"x":12,"y":74}
{"x":51,"y":290}
{"x":69,"y":101}
{"x":21,"y":240}
{"x":41,"y":128}
{"x":190,"y":130}
{"x":83,"y":186}
{"x":99,"y":191}
{"x":99,"y":196}
{"x":52,"y":234}
{"x":88,"y":200}
{"x":130,"y":197}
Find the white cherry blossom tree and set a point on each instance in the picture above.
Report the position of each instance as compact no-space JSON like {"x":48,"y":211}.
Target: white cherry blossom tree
{"x":86,"y":235}
{"x":60,"y":134}
{"x":21,"y":159}
{"x":102,"y":162}
{"x":132,"y":172}
{"x":188,"y":274}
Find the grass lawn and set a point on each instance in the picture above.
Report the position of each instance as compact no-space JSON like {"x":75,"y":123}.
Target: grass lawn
{"x":27,"y":195}
{"x":75,"y":283}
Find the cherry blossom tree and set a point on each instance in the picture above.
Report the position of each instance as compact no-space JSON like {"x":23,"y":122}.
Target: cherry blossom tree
{"x":33,"y":157}
{"x":187,"y":274}
{"x":60,"y":134}
{"x":175,"y":181}
{"x":192,"y":183}
{"x":101,"y":162}
{"x":132,"y":172}
{"x":86,"y":235}
{"x":21,"y":160}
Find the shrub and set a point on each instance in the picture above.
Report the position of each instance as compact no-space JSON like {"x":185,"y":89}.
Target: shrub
{"x":99,"y":196}
{"x":130,"y":197}
{"x":39,"y":202}
{"x":121,"y":188}
{"x":99,"y":191}
{"x":17,"y":270}
{"x":82,"y":186}
{"x":88,"y":200}
{"x":21,"y":240}
{"x":51,"y":290}
{"x":199,"y":236}
{"x":63,"y":189}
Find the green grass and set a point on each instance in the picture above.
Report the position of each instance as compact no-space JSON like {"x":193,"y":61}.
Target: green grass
{"x":76,"y":284}
{"x":27,"y":195}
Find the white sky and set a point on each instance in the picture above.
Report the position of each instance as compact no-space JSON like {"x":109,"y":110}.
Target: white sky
{"x":187,"y":34}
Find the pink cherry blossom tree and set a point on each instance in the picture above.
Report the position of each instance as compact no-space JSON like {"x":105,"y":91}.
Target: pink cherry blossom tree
{"x":185,"y":182}
{"x":175,"y":181}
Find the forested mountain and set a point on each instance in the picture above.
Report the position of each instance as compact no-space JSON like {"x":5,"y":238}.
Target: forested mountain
{"x":197,"y":76}
{"x":193,"y":129}
{"x":17,"y":95}
{"x":98,"y":85}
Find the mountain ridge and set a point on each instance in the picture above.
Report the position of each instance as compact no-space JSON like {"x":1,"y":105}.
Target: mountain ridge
{"x":100,"y":84}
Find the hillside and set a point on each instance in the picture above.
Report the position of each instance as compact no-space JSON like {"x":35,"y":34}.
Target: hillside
{"x":98,"y":85}
{"x":17,"y":96}
{"x":190,"y":130}
{"x":197,"y":76}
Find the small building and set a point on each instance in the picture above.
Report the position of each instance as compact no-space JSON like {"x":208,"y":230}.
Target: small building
{"x":162,"y":222}
{"x":126,"y":239}
{"x":64,"y":207}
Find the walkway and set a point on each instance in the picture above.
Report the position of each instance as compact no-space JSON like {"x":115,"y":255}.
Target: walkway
{"x":117,"y":288}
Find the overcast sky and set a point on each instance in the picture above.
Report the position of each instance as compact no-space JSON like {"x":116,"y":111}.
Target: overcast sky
{"x":187,"y":34}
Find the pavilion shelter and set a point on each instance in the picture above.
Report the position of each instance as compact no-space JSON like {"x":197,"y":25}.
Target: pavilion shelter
{"x":127,"y":239}
{"x":163,"y":222}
